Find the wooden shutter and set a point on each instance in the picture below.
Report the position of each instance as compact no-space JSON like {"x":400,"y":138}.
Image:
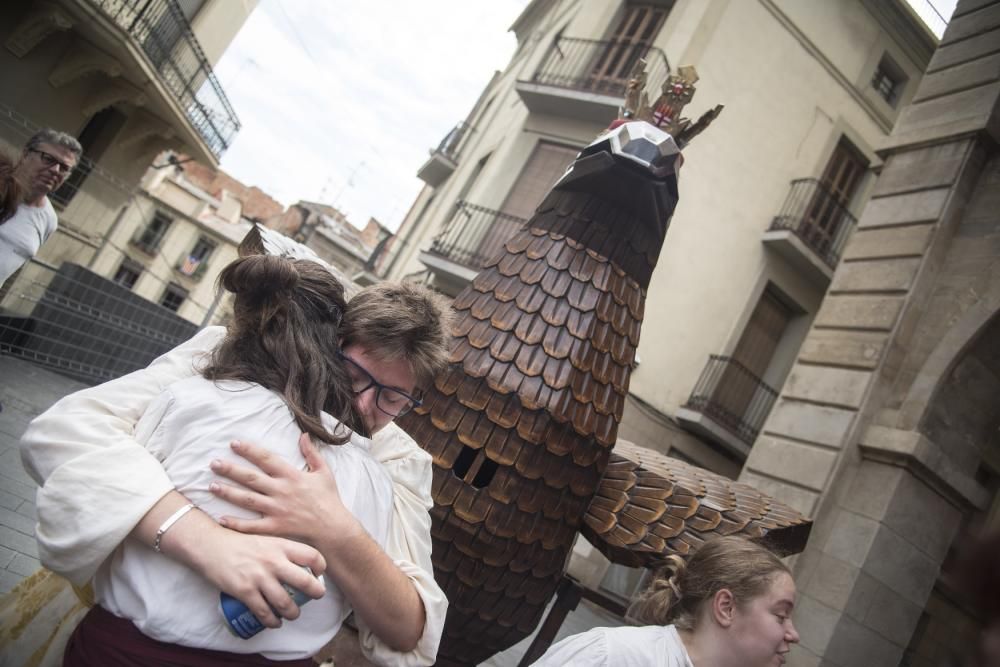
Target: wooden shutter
{"x":753,"y":354}
{"x":838,"y":185}
{"x":630,"y":41}
{"x":546,"y":165}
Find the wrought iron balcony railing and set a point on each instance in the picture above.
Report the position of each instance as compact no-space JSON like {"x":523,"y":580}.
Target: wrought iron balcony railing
{"x":817,"y":217}
{"x":599,"y":66}
{"x":452,"y":142}
{"x":474,"y":234}
{"x":162,"y":33}
{"x":732,"y":397}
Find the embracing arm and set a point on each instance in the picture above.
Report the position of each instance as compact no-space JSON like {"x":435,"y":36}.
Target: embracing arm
{"x":399,"y":607}
{"x":96,"y":481}
{"x":409,"y":543}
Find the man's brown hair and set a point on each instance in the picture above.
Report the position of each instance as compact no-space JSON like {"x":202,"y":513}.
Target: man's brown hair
{"x":401,"y":321}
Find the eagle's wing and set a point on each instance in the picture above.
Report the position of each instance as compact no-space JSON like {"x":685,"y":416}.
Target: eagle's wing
{"x":650,"y":506}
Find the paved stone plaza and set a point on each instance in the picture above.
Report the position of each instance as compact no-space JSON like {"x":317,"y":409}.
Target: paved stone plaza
{"x":25,"y":391}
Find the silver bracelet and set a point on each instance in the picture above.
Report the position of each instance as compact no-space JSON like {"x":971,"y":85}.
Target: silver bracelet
{"x":165,"y":526}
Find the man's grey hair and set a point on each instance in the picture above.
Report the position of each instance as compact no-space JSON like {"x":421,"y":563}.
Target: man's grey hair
{"x":55,"y":138}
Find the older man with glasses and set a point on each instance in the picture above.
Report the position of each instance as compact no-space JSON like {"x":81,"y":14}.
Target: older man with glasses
{"x":45,"y":164}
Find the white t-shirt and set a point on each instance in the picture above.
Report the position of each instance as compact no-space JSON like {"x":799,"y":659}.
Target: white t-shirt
{"x":188,"y":425}
{"x":23,"y":234}
{"x":647,"y":646}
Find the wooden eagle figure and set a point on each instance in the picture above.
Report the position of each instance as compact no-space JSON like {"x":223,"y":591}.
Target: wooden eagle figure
{"x":522,"y":425}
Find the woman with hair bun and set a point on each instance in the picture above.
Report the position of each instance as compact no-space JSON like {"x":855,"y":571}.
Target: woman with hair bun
{"x":729,"y":605}
{"x":277,"y":374}
{"x":11,"y":192}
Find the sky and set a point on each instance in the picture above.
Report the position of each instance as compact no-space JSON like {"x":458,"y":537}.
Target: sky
{"x":342,"y":101}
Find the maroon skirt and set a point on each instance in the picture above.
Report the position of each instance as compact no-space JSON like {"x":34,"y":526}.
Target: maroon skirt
{"x":104,"y":640}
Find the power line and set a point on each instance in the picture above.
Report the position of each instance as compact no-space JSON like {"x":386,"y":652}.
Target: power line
{"x":295,"y":32}
{"x":935,"y":10}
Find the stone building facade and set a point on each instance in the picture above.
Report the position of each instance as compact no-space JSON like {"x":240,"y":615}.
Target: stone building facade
{"x":887,"y":430}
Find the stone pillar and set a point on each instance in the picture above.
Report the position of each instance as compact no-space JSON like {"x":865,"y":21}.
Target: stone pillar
{"x":887,"y":501}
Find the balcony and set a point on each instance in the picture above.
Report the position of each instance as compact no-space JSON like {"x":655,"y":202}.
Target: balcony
{"x":471,"y":236}
{"x":811,"y":229}
{"x":586,"y":78}
{"x":444,"y":158}
{"x":161,"y":32}
{"x":191,"y":267}
{"x":728,"y":405}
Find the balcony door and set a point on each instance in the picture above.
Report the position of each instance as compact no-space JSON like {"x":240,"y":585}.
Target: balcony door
{"x":742,"y":379}
{"x":546,"y":165}
{"x":825,"y":220}
{"x":639,"y":26}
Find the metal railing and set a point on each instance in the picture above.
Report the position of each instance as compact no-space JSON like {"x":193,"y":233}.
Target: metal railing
{"x":160,"y":30}
{"x":600,"y":66}
{"x":474,"y":234}
{"x":817,"y":217}
{"x":452,"y":142}
{"x":732,"y":397}
{"x":83,"y":325}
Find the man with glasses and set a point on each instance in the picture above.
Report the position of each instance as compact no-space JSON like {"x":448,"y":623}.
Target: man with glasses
{"x":98,"y":481}
{"x":45,"y":164}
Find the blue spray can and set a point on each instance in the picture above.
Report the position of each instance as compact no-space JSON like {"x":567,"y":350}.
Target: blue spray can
{"x":242,"y":622}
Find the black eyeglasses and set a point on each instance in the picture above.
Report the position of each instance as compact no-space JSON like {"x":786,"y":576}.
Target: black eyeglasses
{"x":389,"y":400}
{"x":50,"y":160}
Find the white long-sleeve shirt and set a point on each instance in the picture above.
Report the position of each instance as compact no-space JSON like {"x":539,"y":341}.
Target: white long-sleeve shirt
{"x":97,"y":482}
{"x":188,"y":425}
{"x":647,"y":646}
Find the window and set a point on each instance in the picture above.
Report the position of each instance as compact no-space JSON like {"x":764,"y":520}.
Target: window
{"x":128,"y":273}
{"x":888,"y":80}
{"x":743,"y":376}
{"x":95,"y":139}
{"x":546,"y":165}
{"x":149,"y":239}
{"x":173,"y":297}
{"x":825,"y":226}
{"x":632,"y":38}
{"x":193,"y":265}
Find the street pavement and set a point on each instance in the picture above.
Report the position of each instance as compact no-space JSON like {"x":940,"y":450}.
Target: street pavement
{"x":26,"y":390}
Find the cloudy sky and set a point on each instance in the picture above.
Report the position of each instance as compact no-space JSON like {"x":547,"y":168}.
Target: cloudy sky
{"x":340,"y":101}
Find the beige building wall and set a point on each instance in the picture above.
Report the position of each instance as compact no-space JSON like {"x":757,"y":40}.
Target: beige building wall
{"x":194,"y":215}
{"x":217,"y":22}
{"x":795,"y":77}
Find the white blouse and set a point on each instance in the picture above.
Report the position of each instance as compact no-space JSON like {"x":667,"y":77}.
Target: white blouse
{"x":188,"y":425}
{"x":647,"y":646}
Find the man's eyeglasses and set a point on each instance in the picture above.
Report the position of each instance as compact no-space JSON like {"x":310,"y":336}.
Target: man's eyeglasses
{"x":50,"y":160}
{"x":389,"y":400}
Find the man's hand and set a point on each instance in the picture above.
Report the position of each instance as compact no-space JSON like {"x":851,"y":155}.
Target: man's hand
{"x":249,"y":567}
{"x":252,"y":568}
{"x":305,"y":504}
{"x":298,"y":504}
